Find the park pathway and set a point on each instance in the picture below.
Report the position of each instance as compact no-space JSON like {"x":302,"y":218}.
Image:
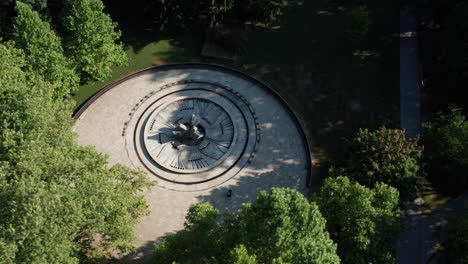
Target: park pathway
{"x":410,"y":247}
{"x":423,"y":232}
{"x":410,"y":75}
{"x":422,"y":235}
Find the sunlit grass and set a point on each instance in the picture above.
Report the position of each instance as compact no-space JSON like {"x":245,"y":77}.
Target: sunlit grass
{"x":155,"y":53}
{"x":433,"y":200}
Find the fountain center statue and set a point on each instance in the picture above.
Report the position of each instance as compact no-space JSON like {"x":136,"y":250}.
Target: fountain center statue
{"x":191,"y":133}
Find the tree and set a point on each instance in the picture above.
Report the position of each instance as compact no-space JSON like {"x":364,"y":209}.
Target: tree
{"x":39,"y":6}
{"x":363,"y":222}
{"x":446,"y":150}
{"x":278,"y":227}
{"x":59,"y":202}
{"x":91,"y":39}
{"x":386,"y":156}
{"x":240,"y":255}
{"x":43,"y":49}
{"x":7,"y":12}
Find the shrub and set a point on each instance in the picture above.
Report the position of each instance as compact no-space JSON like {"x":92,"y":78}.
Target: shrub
{"x":446,"y":150}
{"x":386,"y":156}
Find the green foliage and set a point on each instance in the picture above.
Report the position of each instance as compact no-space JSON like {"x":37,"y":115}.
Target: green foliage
{"x":265,"y":228}
{"x":456,"y":240}
{"x":7,"y":13}
{"x":59,"y":202}
{"x":386,"y":156}
{"x":197,"y":243}
{"x":239,"y":255}
{"x":359,"y":24}
{"x":363,"y":222}
{"x":39,"y":6}
{"x":279,"y":227}
{"x":43,"y":49}
{"x":91,"y":39}
{"x":446,"y":150}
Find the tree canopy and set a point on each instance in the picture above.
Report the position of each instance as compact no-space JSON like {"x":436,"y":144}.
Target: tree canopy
{"x":363,"y":222}
{"x":43,"y":50}
{"x":91,"y":38}
{"x":60,"y":202}
{"x":39,"y":6}
{"x":384,"y":155}
{"x":445,"y":141}
{"x":278,"y":227}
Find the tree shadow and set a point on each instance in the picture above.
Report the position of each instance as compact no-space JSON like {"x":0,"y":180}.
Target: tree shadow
{"x":138,"y":27}
{"x":140,"y":256}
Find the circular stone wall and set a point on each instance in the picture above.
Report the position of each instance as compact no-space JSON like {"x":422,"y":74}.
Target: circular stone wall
{"x":199,"y":130}
{"x":192,"y":131}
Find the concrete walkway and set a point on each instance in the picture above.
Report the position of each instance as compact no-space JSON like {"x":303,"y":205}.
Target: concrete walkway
{"x":410,"y":75}
{"x":423,"y":235}
{"x":410,"y":246}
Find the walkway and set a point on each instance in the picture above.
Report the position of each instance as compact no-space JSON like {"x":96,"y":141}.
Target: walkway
{"x":410,"y":75}
{"x":410,"y":247}
{"x":422,"y":236}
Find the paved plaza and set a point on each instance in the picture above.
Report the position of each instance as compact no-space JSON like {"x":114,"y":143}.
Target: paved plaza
{"x":198,"y":130}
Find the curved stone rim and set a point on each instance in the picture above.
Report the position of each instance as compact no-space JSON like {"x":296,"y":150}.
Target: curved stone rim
{"x":83,"y":107}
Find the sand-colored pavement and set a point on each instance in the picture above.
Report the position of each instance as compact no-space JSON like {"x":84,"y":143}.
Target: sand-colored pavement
{"x":281,"y":158}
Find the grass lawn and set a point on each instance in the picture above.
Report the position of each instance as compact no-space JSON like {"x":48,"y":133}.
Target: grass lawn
{"x":433,"y":200}
{"x":309,"y":61}
{"x":181,"y":49}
